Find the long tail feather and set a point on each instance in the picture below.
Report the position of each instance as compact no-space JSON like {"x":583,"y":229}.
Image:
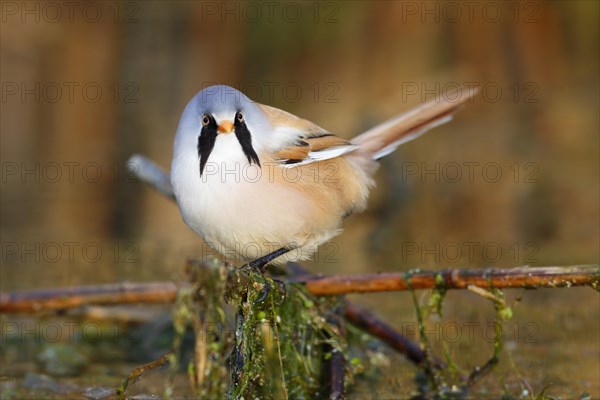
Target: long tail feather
{"x":384,"y":138}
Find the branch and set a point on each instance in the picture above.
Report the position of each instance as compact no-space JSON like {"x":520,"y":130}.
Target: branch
{"x":72,"y":297}
{"x":369,"y":323}
{"x":520,"y":277}
{"x":336,"y":376}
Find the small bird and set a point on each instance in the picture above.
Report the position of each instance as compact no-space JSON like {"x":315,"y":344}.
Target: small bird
{"x":260,"y":184}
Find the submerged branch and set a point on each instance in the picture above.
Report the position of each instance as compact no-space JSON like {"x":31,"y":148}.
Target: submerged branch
{"x":367,"y":322}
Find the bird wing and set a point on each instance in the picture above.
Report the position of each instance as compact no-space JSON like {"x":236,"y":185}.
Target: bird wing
{"x":303,"y":141}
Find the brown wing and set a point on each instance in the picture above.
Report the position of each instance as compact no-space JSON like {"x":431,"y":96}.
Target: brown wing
{"x":310,"y":142}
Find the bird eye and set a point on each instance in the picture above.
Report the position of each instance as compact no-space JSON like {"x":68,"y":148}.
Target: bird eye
{"x":239,"y":116}
{"x":205,"y":120}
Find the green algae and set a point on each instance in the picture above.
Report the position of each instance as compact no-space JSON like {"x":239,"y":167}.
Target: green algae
{"x":279,"y":347}
{"x":446,"y":379}
{"x":283,"y":343}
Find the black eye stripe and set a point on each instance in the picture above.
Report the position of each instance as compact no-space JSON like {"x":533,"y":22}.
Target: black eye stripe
{"x":206,"y":142}
{"x":245,"y":138}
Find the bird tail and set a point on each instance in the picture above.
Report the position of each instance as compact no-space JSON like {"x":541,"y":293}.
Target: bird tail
{"x":384,"y":138}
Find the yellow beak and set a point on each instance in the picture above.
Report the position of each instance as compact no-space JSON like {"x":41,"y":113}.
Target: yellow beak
{"x":225,"y":127}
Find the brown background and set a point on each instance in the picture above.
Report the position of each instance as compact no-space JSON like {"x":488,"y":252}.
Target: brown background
{"x":345,"y":66}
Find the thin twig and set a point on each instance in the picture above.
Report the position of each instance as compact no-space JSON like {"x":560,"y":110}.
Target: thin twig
{"x":336,"y":376}
{"x":279,"y":356}
{"x":335,"y":365}
{"x":374,"y":326}
{"x":520,"y":277}
{"x":76,"y":296}
{"x":497,"y":298}
{"x":137,"y":373}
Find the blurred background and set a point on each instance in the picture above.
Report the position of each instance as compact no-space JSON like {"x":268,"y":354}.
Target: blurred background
{"x":512,"y":180}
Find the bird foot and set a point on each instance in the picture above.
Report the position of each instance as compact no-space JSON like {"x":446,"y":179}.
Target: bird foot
{"x":259,"y":266}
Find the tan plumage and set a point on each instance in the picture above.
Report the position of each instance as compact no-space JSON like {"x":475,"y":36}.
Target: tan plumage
{"x":413,"y":123}
{"x":280,"y":118}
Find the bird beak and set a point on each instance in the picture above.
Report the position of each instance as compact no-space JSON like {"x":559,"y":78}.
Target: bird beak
{"x":225,"y":127}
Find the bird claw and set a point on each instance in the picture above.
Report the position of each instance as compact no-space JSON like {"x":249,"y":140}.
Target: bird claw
{"x":264,"y":292}
{"x":265,"y":288}
{"x":259,"y":266}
